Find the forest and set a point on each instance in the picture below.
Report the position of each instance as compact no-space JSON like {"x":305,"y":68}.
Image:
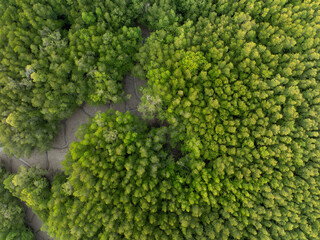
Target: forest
{"x":228,"y":144}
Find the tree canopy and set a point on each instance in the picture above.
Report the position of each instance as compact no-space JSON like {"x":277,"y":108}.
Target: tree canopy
{"x":54,"y":56}
{"x":237,"y":85}
{"x":123,"y":182}
{"x":240,"y":92}
{"x":12,"y":216}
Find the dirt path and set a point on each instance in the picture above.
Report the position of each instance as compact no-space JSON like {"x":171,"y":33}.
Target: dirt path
{"x":51,"y":160}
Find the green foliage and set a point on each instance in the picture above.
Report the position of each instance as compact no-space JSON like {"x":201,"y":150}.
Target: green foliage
{"x":156,"y":14}
{"x":165,"y":14}
{"x":54,"y":56}
{"x":193,"y":9}
{"x":238,"y":84}
{"x":240,"y":91}
{"x":123,"y":183}
{"x":34,"y":68}
{"x":12,"y":216}
{"x":31,"y":187}
{"x":150,"y":104}
{"x":102,"y":43}
{"x":59,"y":206}
{"x":110,"y":169}
{"x":88,"y":18}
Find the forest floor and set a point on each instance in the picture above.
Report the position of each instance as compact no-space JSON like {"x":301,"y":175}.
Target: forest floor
{"x":51,"y":159}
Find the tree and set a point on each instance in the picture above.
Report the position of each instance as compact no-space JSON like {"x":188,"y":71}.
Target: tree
{"x":11,"y":214}
{"x":235,"y":88}
{"x":53,"y":58}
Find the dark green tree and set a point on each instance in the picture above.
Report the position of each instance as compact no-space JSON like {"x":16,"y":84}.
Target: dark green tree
{"x":12,"y":216}
{"x":239,"y":90}
{"x":31,"y":187}
{"x":54,"y":56}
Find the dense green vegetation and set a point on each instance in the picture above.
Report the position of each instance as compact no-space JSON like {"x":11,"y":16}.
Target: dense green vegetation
{"x":12,"y":215}
{"x":240,"y":90}
{"x":237,"y":83}
{"x":34,"y":74}
{"x":119,"y":185}
{"x":54,"y":56}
